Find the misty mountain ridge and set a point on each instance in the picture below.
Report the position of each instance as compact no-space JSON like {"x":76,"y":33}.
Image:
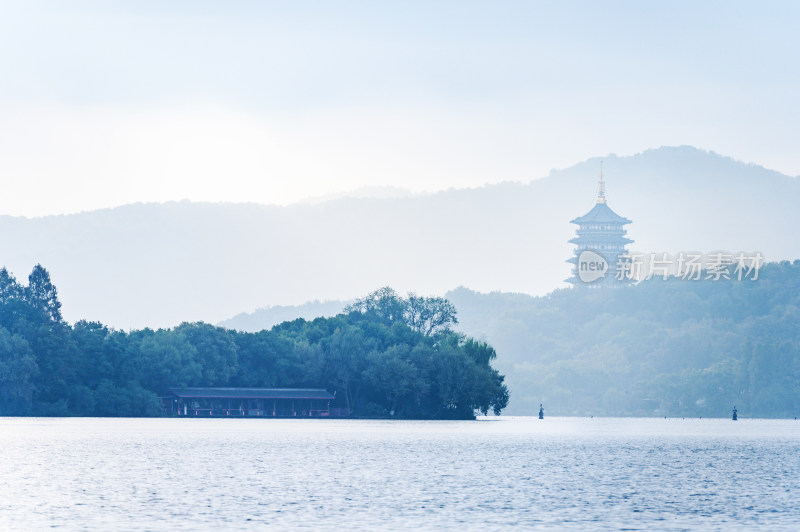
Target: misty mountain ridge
{"x":377,"y":192}
{"x":266,"y":318}
{"x":161,"y":264}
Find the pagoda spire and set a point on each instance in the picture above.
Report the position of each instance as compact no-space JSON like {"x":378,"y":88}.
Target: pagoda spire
{"x":601,"y":187}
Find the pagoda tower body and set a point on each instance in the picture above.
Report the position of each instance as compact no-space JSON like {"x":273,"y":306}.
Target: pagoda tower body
{"x":600,"y":241}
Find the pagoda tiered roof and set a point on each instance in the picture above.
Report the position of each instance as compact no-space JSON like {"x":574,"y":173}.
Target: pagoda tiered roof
{"x":601,"y":213}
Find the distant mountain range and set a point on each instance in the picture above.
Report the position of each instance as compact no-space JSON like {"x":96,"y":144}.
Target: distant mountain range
{"x":160,"y":264}
{"x":266,"y":318}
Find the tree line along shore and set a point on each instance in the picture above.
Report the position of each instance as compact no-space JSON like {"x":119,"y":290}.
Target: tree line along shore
{"x":385,"y":356}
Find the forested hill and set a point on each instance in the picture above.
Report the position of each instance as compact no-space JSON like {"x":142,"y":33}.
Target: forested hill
{"x":673,"y":348}
{"x":387,"y":356}
{"x":689,"y":348}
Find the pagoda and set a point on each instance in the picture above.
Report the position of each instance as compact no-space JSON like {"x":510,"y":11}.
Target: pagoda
{"x":600,"y":244}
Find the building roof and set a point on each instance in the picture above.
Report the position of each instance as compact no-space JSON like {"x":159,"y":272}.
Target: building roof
{"x":601,"y":213}
{"x":252,"y":393}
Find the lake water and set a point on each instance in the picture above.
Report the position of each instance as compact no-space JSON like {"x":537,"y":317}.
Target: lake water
{"x":493,"y":474}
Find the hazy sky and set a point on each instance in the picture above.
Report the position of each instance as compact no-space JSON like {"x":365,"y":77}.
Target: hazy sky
{"x":105,"y":103}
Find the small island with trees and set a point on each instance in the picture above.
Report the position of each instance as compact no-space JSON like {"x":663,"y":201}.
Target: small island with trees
{"x":385,"y":356}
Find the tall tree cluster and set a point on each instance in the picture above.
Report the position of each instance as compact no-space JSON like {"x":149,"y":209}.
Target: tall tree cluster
{"x":385,"y":356}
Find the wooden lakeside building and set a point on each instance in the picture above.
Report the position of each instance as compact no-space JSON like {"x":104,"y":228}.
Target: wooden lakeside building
{"x":251,"y":402}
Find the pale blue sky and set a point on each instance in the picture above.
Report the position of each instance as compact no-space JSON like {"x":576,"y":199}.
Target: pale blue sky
{"x":107,"y":103}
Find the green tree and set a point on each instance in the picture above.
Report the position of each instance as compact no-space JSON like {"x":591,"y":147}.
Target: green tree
{"x":17,"y":371}
{"x":429,"y":315}
{"x":395,"y":379}
{"x":215,"y":352}
{"x":383,"y":304}
{"x":345,"y":359}
{"x":42,"y":294}
{"x":166,"y":359}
